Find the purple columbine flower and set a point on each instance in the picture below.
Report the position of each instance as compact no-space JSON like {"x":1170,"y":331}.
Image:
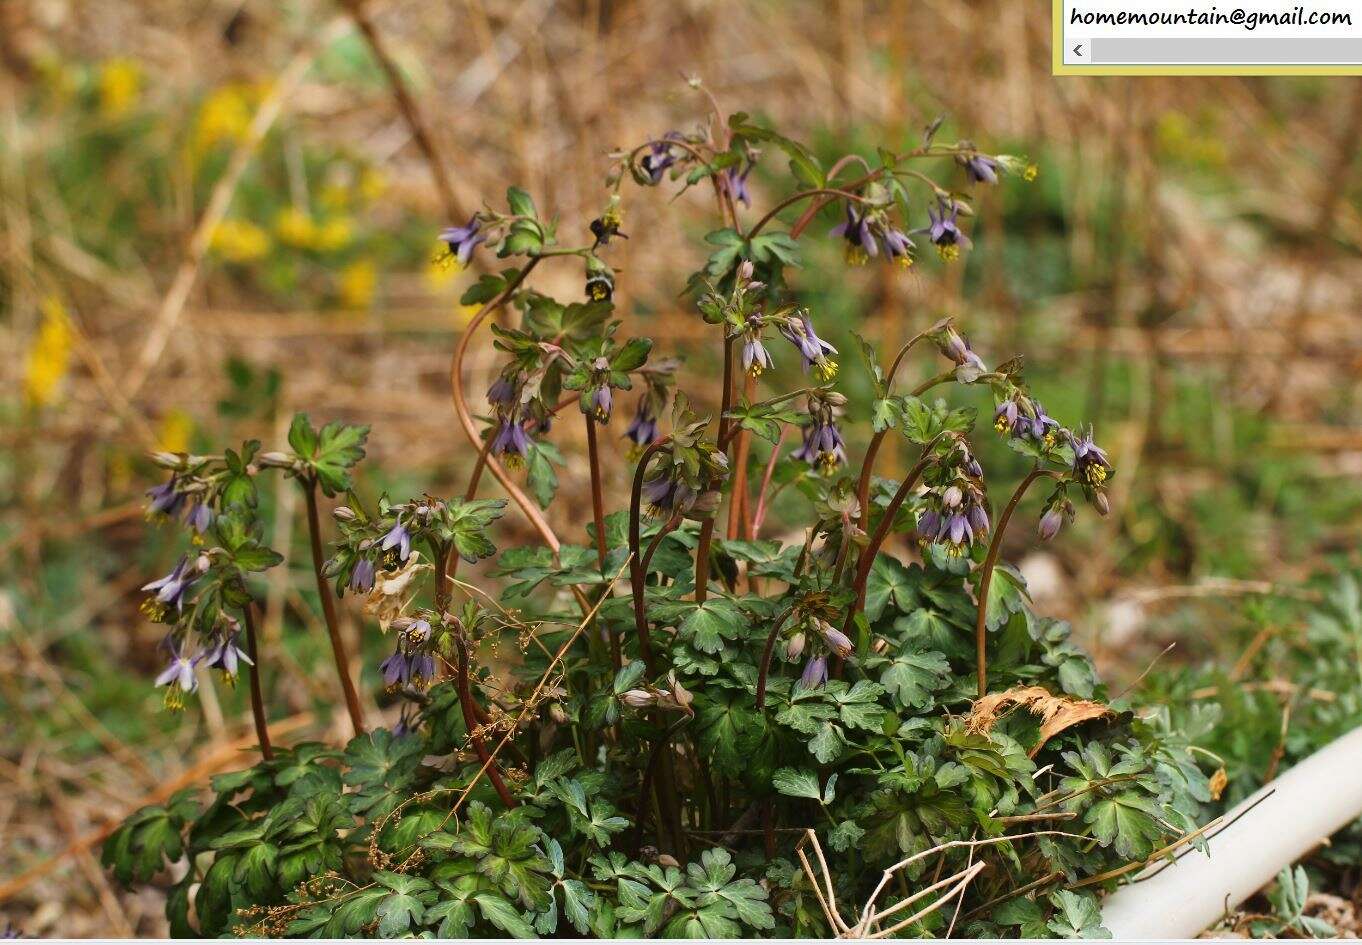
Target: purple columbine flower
{"x":1050,"y":523}
{"x":898,"y":247}
{"x":1091,"y":466}
{"x":171,"y":589}
{"x":396,"y":669}
{"x":165,"y":499}
{"x":734,"y":183}
{"x":512,"y":443}
{"x":659,"y":157}
{"x":601,"y":403}
{"x":955,"y":347}
{"x":944,"y":230}
{"x":823,"y":446}
{"x":815,"y":673}
{"x":755,"y":358}
{"x":225,"y":654}
{"x":812,"y":349}
{"x":836,"y":640}
{"x":929,"y":524}
{"x":398,"y":537}
{"x":643,"y":428}
{"x":981,"y":169}
{"x":177,"y":677}
{"x":665,"y":495}
{"x":422,"y":668}
{"x":502,"y":393}
{"x":198,"y":517}
{"x":462,"y":240}
{"x":856,"y":231}
{"x":978,"y":518}
{"x":1005,"y":417}
{"x":362,"y":576}
{"x":1042,"y":427}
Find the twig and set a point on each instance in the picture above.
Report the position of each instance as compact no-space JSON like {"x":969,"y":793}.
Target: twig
{"x":342,"y":659}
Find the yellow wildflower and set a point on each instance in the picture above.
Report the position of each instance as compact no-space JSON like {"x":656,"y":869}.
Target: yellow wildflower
{"x":295,"y":228}
{"x":240,"y":241}
{"x":224,"y":116}
{"x":333,"y":235}
{"x":50,"y":355}
{"x":174,"y":432}
{"x":120,"y":80}
{"x":357,"y":282}
{"x":373,"y":183}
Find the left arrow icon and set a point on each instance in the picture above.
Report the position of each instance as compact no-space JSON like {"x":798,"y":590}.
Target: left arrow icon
{"x":1078,"y":50}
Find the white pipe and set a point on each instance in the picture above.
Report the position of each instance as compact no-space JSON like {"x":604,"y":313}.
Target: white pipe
{"x":1280,"y":823}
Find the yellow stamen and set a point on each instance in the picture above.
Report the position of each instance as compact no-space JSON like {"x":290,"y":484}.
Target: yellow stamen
{"x":948,"y":252}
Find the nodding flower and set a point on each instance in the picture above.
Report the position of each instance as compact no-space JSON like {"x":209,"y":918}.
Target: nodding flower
{"x":734,"y":183}
{"x":953,"y":345}
{"x":198,"y":516}
{"x":855,"y":229}
{"x":171,"y":589}
{"x":396,"y":669}
{"x":836,"y":640}
{"x":815,"y":672}
{"x":462,"y":240}
{"x":659,"y":157}
{"x":958,"y":519}
{"x":665,"y":495}
{"x":177,"y":677}
{"x":600,"y":284}
{"x":398,"y":537}
{"x":643,"y":428}
{"x":1091,"y":466}
{"x":979,"y":168}
{"x":814,"y":350}
{"x":944,"y":230}
{"x":866,"y":235}
{"x":1051,"y":522}
{"x":756,"y":360}
{"x":362,"y":576}
{"x":601,"y":403}
{"x":823,"y":446}
{"x":503,"y":392}
{"x":225,"y":654}
{"x":511,"y":443}
{"x":165,"y":499}
{"x":794,"y":647}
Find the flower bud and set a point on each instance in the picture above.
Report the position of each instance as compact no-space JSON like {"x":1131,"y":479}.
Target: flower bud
{"x":167,"y":460}
{"x":276,"y":459}
{"x":343,"y":513}
{"x":745,"y":270}
{"x":203,"y":562}
{"x":794,"y":647}
{"x":836,"y":640}
{"x":951,"y":497}
{"x":1050,"y":523}
{"x":666,"y":859}
{"x":638,"y":698}
{"x":1100,"y":503}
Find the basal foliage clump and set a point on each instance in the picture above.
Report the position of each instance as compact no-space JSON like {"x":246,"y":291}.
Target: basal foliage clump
{"x":679,"y":727}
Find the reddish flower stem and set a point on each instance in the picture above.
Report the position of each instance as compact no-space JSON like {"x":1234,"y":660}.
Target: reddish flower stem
{"x":342,"y":659}
{"x":707,"y":527}
{"x":262,"y":731}
{"x":767,"y":652}
{"x":986,"y":578}
{"x":470,"y":721}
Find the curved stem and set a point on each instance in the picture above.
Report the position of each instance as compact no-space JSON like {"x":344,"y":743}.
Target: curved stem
{"x":663,"y":532}
{"x":314,"y":530}
{"x":597,"y":500}
{"x":262,"y":731}
{"x":469,"y":709}
{"x":470,"y":429}
{"x":738,"y":496}
{"x":764,"y":668}
{"x":707,"y":527}
{"x":872,"y":548}
{"x":636,"y":572}
{"x":986,"y":577}
{"x":873,"y":449}
{"x":759,"y":516}
{"x":829,"y":192}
